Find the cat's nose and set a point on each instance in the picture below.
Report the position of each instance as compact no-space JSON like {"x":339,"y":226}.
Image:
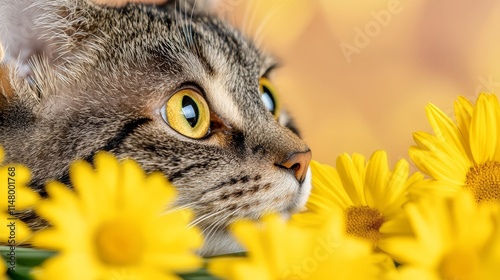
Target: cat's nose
{"x":297,"y":162}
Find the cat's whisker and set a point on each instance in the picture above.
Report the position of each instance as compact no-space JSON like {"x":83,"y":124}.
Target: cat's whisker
{"x":217,"y":225}
{"x":249,"y":28}
{"x":259,"y":34}
{"x":221,"y":221}
{"x":31,"y":235}
{"x":210,"y":230}
{"x":183,"y":26}
{"x":191,"y":18}
{"x":244,"y":23}
{"x":211,"y":227}
{"x":204,"y":217}
{"x":179,"y":208}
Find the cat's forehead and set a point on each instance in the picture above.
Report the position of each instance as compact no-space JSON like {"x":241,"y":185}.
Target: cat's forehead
{"x":213,"y":42}
{"x":217,"y":57}
{"x":151,"y":53}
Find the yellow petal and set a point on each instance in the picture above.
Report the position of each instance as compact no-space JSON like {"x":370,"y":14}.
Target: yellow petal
{"x":72,"y":266}
{"x":107,"y":170}
{"x":21,"y":234}
{"x":377,"y":175}
{"x":493,"y":100}
{"x":327,"y":183}
{"x":438,"y":166}
{"x":351,"y":179}
{"x":484,"y":134}
{"x":162,"y":193}
{"x":437,"y":145}
{"x":445,"y":129}
{"x":89,"y":188}
{"x":396,"y":184}
{"x":463,"y":115}
{"x":275,"y":230}
{"x":423,"y":218}
{"x":223,"y":266}
{"x":246,"y":233}
{"x":135,"y":177}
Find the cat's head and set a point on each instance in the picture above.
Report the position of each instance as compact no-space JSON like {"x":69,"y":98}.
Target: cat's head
{"x":171,"y":87}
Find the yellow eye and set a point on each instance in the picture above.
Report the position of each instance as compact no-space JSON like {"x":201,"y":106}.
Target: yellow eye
{"x":269,"y":97}
{"x":187,"y":112}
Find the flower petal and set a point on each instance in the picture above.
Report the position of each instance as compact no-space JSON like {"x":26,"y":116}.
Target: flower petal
{"x":463,"y":115}
{"x":445,"y":129}
{"x":352,"y":180}
{"x":484,"y":130}
{"x":376,"y":178}
{"x":327,"y":183}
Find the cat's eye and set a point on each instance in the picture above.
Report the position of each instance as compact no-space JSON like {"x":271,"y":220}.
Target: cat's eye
{"x":269,"y":97}
{"x":187,"y":112}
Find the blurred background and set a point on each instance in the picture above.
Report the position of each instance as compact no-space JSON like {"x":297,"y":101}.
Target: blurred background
{"x":357,"y":75}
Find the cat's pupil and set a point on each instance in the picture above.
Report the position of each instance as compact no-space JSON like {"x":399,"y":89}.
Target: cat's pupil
{"x":190,"y":110}
{"x":268,"y":99}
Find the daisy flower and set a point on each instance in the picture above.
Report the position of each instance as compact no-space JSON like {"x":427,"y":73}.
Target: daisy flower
{"x":16,"y":196}
{"x":115,"y":223}
{"x":277,"y":250}
{"x":370,"y":195}
{"x":455,"y":238}
{"x":465,"y":154}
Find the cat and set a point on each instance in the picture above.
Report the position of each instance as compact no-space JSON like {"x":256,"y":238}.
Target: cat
{"x":173,"y":87}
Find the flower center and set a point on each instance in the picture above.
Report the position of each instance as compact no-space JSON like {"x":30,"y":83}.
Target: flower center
{"x":484,"y":181}
{"x":459,"y":264}
{"x":119,"y":243}
{"x":365,"y":222}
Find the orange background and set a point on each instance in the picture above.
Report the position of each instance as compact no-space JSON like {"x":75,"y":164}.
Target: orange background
{"x":411,"y":53}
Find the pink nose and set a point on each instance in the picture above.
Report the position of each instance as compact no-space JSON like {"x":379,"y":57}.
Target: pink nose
{"x":298,"y":162}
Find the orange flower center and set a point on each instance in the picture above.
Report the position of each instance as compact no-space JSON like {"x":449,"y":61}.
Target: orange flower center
{"x":119,"y":242}
{"x":364,"y":222}
{"x":484,"y":181}
{"x":459,"y":264}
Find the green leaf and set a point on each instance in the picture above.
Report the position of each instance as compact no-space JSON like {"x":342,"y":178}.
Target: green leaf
{"x":26,"y":256}
{"x":20,"y":273}
{"x":201,"y":274}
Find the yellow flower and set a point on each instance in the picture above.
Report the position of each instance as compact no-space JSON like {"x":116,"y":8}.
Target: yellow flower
{"x":277,"y":250}
{"x":454,"y":239}
{"x":370,"y":195}
{"x":115,"y":223}
{"x":15,"y":196}
{"x":465,"y":154}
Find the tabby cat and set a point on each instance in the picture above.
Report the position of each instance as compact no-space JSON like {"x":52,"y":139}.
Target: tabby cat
{"x":172,"y":87}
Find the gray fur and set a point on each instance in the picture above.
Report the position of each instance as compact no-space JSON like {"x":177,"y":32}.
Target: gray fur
{"x":89,"y":78}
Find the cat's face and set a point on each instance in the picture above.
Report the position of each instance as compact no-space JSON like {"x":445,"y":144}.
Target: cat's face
{"x":179,"y":92}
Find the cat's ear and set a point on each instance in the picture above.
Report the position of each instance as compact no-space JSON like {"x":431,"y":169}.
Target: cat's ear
{"x":20,"y":35}
{"x":56,"y":29}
